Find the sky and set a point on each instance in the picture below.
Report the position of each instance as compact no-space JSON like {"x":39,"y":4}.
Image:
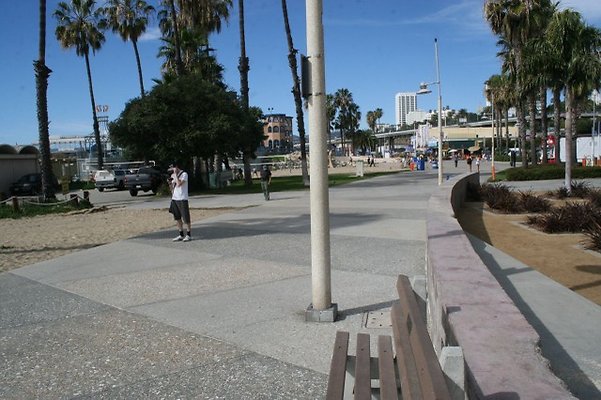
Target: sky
{"x":374,"y":48}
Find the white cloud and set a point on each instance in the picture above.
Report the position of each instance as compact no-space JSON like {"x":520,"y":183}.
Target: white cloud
{"x":152,"y":33}
{"x":590,"y":9}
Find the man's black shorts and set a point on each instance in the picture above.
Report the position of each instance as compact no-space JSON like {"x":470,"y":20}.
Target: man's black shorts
{"x":180,"y":210}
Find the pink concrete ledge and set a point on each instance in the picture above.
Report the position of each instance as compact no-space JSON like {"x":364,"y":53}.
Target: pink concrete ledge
{"x":467,"y":307}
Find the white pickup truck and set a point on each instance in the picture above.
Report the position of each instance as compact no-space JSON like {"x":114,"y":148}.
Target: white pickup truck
{"x":105,"y":179}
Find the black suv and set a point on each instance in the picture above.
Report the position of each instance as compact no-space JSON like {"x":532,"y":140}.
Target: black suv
{"x":31,"y":184}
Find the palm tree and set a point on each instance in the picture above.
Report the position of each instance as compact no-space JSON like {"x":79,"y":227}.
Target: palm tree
{"x":243,"y":67}
{"x":516,"y":21}
{"x":42,"y":72}
{"x":296,"y":92}
{"x":579,"y":46}
{"x":80,"y":26}
{"x":343,"y":98}
{"x":129,"y":18}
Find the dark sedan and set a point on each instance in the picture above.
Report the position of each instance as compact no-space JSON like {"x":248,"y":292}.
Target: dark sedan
{"x":30,"y":185}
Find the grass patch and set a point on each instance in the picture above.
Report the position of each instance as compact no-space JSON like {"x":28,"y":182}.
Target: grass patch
{"x":500,"y":197}
{"x":593,"y":233}
{"x":31,"y":210}
{"x":289,"y":183}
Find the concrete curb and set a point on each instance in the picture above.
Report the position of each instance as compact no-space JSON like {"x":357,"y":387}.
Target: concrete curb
{"x":467,"y":307}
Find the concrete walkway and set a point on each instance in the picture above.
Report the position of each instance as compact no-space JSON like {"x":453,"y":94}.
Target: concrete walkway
{"x":222,"y":317}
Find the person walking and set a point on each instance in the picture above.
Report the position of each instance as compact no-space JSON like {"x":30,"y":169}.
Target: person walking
{"x":265,"y":181}
{"x":455,"y":159}
{"x":469,"y":162}
{"x":178,"y":183}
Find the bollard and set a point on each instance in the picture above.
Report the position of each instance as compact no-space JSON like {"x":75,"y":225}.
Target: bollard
{"x":15,"y":204}
{"x":74,"y":199}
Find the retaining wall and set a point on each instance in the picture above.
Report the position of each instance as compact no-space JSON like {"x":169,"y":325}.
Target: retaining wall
{"x":467,"y":307}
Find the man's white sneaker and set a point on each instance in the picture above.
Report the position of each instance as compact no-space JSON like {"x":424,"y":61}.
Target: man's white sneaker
{"x":178,"y":239}
{"x":187,"y":238}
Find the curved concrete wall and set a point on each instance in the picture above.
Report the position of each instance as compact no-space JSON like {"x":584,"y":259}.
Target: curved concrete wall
{"x":467,"y":307}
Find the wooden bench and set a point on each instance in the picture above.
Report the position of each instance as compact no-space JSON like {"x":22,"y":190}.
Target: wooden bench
{"x":413,"y":373}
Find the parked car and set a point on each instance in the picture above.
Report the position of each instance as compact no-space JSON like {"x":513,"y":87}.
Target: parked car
{"x":145,"y":179}
{"x":107,"y":179}
{"x":31,"y":185}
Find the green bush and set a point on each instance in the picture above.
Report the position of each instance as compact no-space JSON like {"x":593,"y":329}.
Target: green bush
{"x":544,"y":172}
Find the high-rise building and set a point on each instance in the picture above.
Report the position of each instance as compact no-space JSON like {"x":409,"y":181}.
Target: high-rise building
{"x":404,"y":104}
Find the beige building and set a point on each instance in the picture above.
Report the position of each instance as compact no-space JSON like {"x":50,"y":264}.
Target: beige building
{"x":277,"y":129}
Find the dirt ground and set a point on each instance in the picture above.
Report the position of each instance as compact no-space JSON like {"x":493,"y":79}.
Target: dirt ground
{"x":30,"y":240}
{"x":561,"y":257}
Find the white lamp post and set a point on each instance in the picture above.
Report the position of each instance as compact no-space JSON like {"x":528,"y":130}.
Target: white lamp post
{"x":423,"y":89}
{"x":492,"y":113}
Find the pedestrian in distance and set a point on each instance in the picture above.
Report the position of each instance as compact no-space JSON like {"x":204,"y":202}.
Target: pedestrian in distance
{"x":478,"y":163}
{"x":178,"y":184}
{"x":455,"y":159}
{"x":265,"y":181}
{"x":469,"y":162}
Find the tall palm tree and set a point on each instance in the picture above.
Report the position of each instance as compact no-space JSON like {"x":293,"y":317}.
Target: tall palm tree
{"x":579,"y":47}
{"x":129,"y":18}
{"x":296,"y":92}
{"x":42,"y":72}
{"x":516,"y":21}
{"x":243,"y":67}
{"x":80,"y":26}
{"x":343,"y":98}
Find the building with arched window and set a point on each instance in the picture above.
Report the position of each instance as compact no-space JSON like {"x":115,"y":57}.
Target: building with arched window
{"x":277,"y":129}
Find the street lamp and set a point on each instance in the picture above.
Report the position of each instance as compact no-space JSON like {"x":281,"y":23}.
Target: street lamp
{"x":488,"y":89}
{"x":423,"y":89}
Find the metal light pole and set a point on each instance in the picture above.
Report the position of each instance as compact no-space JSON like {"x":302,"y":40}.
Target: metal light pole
{"x":423,"y":89}
{"x":492,"y":113}
{"x":440,"y":134}
{"x":321,"y":308}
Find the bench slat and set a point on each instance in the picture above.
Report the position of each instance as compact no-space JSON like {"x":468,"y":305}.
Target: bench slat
{"x":363,"y":368}
{"x":338,"y":367}
{"x":388,"y":384}
{"x":410,"y":388}
{"x":432,"y":381}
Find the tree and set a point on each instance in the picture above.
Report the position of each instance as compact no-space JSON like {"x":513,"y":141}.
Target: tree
{"x":203,"y":119}
{"x":578,"y":46}
{"x":129,"y":18}
{"x":243,"y":67}
{"x":42,"y":72}
{"x":80,"y":26}
{"x":296,"y":92}
{"x":343,"y":98}
{"x":517,"y":21}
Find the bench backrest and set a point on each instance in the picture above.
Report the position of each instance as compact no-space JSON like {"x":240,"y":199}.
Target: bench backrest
{"x":417,"y":362}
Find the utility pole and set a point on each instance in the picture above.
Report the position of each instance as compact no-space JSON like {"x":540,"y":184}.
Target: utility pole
{"x":321,"y":309}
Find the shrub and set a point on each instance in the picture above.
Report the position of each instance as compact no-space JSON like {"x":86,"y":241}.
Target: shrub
{"x":533,"y":203}
{"x":572,"y":217}
{"x":594,"y":235}
{"x":594,"y":196}
{"x":548,"y":171}
{"x":580,"y":189}
{"x":500,"y":197}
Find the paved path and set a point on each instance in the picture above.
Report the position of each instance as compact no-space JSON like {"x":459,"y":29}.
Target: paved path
{"x":221,"y":317}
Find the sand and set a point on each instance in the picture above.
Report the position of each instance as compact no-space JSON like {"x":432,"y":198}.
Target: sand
{"x":34,"y":239}
{"x":562,"y":257}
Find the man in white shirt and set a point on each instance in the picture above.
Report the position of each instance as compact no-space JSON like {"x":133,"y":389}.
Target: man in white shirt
{"x":179,"y":202}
